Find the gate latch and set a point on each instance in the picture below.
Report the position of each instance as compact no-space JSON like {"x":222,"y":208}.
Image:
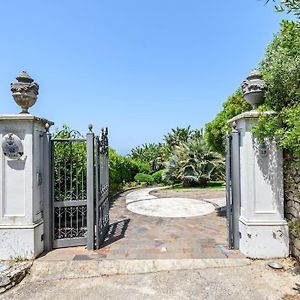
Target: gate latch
{"x":39,"y":178}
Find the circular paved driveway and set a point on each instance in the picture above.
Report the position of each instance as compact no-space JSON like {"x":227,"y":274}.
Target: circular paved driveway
{"x":142,"y":203}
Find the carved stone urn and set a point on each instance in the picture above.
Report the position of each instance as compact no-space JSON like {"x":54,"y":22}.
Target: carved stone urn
{"x":254,"y":89}
{"x":24,"y":91}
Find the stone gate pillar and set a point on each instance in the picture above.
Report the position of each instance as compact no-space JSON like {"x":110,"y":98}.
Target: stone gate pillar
{"x":22,"y":166}
{"x":263,"y":229}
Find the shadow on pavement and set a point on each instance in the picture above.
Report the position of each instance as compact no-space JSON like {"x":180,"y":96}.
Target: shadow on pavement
{"x":116,"y":232}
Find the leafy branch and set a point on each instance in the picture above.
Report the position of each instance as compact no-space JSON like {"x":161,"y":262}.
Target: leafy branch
{"x":289,"y":6}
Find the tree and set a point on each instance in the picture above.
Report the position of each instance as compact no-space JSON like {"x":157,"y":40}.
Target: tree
{"x":289,"y":6}
{"x":156,"y":155}
{"x":281,"y":71}
{"x":194,"y":163}
{"x":215,"y":130}
{"x":152,"y":154}
{"x":122,"y":169}
{"x":177,"y":136}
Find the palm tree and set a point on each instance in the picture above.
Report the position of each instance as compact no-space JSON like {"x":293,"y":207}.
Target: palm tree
{"x":193,"y":163}
{"x":178,"y":136}
{"x":153,"y":154}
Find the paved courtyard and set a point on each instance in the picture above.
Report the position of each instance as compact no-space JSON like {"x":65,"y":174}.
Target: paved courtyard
{"x":150,"y":257}
{"x":139,"y":236}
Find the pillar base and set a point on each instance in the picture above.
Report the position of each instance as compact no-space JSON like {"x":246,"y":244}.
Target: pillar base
{"x":264,"y":239}
{"x":21,"y":241}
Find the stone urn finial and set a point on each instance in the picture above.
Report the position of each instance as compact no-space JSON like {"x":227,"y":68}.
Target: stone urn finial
{"x":24,"y":91}
{"x":254,"y":88}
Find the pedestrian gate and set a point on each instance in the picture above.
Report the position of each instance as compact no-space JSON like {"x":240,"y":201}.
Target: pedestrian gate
{"x":79,"y":184}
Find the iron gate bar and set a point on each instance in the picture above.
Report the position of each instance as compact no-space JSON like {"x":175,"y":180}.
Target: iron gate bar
{"x":97,"y":186}
{"x":69,"y":203}
{"x":47,"y":209}
{"x":228,"y":191}
{"x":90,"y":189}
{"x":235,"y":185}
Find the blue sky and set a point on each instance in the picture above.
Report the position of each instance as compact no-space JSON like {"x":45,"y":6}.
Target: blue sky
{"x":140,"y":67}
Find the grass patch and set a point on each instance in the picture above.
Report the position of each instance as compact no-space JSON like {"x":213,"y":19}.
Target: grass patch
{"x":209,"y":185}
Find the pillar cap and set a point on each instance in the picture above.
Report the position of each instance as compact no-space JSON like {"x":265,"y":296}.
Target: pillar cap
{"x":24,"y":117}
{"x":253,"y":114}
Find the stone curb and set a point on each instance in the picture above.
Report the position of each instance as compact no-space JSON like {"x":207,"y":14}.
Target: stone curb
{"x":57,"y":269}
{"x":13,"y":275}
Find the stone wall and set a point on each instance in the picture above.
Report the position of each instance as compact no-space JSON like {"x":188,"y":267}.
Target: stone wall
{"x":292,"y":201}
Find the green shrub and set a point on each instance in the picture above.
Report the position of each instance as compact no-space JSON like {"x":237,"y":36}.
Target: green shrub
{"x":157,"y":176}
{"x":70,"y":160}
{"x":141,"y":177}
{"x":141,"y":167}
{"x":215,"y":130}
{"x":281,"y":71}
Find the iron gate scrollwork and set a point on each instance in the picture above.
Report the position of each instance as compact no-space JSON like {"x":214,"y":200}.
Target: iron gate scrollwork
{"x":79,"y":209}
{"x":102,"y":188}
{"x":69,"y":184}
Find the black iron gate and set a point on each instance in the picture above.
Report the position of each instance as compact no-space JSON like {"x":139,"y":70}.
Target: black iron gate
{"x":79,"y":200}
{"x":102,"y":188}
{"x":233,"y":187}
{"x":69,"y":186}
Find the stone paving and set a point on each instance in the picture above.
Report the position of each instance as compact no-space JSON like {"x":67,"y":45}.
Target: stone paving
{"x":136,"y":236}
{"x":142,"y":202}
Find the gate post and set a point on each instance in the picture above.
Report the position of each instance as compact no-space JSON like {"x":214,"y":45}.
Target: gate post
{"x":23,"y":176}
{"x":228,"y":190}
{"x":47,"y":209}
{"x":262,"y":227}
{"x":90,"y":190}
{"x":235,"y":185}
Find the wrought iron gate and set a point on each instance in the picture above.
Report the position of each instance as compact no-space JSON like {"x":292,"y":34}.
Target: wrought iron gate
{"x":79,"y":189}
{"x":102,"y":188}
{"x":233,"y":187}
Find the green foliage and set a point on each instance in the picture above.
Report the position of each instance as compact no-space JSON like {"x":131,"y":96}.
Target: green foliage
{"x":215,"y":130}
{"x":294,"y":227}
{"x":151,"y":154}
{"x":183,"y":157}
{"x":122,"y":170}
{"x":141,"y":167}
{"x":143,"y":178}
{"x":193,"y":163}
{"x":157,"y":176}
{"x":178,"y":136}
{"x":69,"y":165}
{"x":208,"y":185}
{"x":281,"y":71}
{"x":156,"y":155}
{"x":289,"y":6}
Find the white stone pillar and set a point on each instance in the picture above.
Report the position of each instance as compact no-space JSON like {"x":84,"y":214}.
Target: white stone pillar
{"x":21,"y":182}
{"x":263,"y":229}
